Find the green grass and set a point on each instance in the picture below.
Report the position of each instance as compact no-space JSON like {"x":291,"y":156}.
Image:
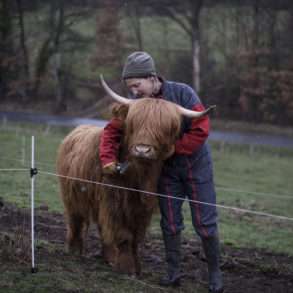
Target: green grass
{"x":258,"y":181}
{"x":15,"y":152}
{"x":72,"y":276}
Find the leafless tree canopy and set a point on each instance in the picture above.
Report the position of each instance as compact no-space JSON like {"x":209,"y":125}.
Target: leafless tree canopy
{"x":237,"y":54}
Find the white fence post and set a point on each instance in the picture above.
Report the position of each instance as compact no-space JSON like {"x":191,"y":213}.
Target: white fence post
{"x":33,"y":173}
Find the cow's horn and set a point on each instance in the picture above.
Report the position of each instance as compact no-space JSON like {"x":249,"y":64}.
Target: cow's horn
{"x":194,"y":114}
{"x":111,"y":93}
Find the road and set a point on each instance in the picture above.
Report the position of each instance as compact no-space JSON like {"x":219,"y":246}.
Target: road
{"x":215,"y":135}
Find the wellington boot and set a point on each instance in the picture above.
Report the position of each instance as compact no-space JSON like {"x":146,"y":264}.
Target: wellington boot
{"x":172,"y":249}
{"x":212,"y":252}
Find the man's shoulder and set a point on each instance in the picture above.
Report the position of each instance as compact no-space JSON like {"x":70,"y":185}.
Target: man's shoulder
{"x":178,"y":87}
{"x":177,"y":84}
{"x":180,"y":93}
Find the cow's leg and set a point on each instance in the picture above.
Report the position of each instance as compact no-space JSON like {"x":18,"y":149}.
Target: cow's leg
{"x":109,"y":253}
{"x":125,"y":260}
{"x":76,"y":228}
{"x":136,"y":257}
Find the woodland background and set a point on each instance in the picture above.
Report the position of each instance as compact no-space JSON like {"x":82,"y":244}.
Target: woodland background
{"x":236,"y":54}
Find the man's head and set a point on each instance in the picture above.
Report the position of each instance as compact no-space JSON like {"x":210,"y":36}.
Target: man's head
{"x":138,"y":64}
{"x":139,"y":74}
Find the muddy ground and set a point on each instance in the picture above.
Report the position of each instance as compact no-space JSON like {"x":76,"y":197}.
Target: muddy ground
{"x":245,"y":270}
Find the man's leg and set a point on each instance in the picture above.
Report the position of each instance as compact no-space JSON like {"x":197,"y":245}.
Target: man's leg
{"x":171,"y":224}
{"x":212,"y":251}
{"x":200,"y":190}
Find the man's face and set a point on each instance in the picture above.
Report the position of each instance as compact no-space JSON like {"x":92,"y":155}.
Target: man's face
{"x":140,"y":87}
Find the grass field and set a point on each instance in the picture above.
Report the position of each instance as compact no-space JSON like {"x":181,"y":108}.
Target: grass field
{"x":255,"y":248}
{"x":260,"y":182}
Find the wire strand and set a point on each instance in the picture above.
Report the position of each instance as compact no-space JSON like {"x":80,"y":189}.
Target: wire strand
{"x":13,"y":170}
{"x":236,"y":209}
{"x":229,"y":189}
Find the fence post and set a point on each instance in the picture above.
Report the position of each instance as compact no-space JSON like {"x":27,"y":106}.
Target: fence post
{"x":47,"y":130}
{"x":33,"y":173}
{"x":251,"y":150}
{"x":4,"y":122}
{"x":222,"y":146}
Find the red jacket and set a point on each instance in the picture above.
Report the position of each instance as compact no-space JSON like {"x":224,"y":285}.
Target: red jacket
{"x":110,"y":141}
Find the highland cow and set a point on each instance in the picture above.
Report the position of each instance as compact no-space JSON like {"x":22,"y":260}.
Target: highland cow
{"x":151,"y":127}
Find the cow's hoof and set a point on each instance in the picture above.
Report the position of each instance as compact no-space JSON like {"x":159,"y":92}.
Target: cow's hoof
{"x":75,"y":250}
{"x":109,"y":254}
{"x":137,"y":269}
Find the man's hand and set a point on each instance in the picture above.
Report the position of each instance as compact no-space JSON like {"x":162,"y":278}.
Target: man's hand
{"x":110,"y":168}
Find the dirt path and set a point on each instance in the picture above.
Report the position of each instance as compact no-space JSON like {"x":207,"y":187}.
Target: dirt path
{"x":244,"y":270}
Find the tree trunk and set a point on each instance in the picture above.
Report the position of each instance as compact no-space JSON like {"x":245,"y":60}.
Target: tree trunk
{"x":256,"y":29}
{"x":51,"y":44}
{"x":25,"y":57}
{"x":290,"y":35}
{"x":60,"y":105}
{"x":167,"y":55}
{"x":6,"y":48}
{"x":188,"y":19}
{"x":196,"y":64}
{"x":135,"y":20}
{"x":196,"y":7}
{"x":109,"y":39}
{"x":274,"y":58}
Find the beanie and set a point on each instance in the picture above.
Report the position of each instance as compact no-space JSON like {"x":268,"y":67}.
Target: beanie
{"x":138,"y":64}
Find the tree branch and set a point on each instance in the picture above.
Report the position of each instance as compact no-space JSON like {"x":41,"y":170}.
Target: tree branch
{"x":172,"y":14}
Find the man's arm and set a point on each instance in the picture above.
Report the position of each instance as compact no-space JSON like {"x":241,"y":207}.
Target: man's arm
{"x":192,"y":140}
{"x":109,"y":145}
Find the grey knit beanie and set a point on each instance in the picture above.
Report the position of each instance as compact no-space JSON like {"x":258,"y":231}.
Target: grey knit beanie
{"x":138,"y":64}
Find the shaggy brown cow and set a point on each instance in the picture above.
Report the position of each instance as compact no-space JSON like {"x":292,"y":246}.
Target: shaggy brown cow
{"x":150,"y":129}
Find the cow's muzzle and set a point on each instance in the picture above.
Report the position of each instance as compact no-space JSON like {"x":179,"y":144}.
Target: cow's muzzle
{"x":143,"y":151}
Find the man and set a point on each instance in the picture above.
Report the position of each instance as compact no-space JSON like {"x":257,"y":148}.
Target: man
{"x":187,"y":173}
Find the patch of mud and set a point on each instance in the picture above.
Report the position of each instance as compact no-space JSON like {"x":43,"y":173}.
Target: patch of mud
{"x":244,"y":270}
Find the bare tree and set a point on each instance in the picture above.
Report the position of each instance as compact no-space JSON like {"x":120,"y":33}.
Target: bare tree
{"x":6,"y":47}
{"x":134,"y":11}
{"x":187,"y":15}
{"x":109,"y":38}
{"x":25,"y":64}
{"x":51,"y":44}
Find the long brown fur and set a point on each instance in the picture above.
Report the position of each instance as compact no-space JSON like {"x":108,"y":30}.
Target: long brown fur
{"x":154,"y":119}
{"x":122,"y":216}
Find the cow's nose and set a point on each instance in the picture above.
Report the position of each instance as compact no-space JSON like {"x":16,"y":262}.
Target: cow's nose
{"x":142,"y":149}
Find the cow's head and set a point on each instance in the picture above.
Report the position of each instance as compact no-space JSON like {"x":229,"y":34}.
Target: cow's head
{"x":151,"y":125}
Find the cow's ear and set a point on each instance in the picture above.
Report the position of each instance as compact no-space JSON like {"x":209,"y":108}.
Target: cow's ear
{"x":120,"y":110}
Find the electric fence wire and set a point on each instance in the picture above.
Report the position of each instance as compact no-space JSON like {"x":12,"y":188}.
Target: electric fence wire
{"x":236,"y":209}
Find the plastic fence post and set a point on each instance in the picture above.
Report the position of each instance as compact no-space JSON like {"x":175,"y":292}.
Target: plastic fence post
{"x":33,"y":173}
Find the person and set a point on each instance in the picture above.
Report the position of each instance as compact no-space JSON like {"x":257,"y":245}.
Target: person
{"x":187,"y":173}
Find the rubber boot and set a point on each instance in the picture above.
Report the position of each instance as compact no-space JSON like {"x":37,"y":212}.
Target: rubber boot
{"x":212,"y":252}
{"x":172,"y":249}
